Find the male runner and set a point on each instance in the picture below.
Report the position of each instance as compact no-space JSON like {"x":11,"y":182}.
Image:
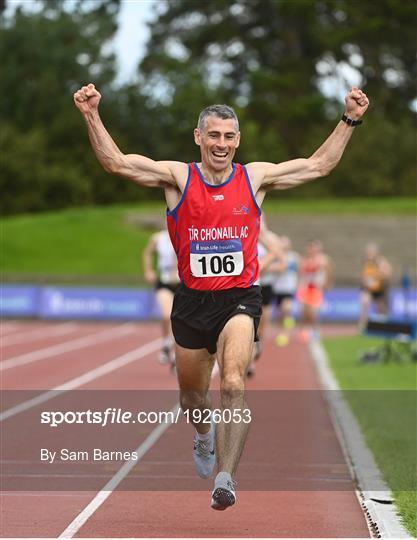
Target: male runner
{"x":166,"y":281}
{"x":284,"y":289}
{"x":271,"y":262}
{"x":213,"y":219}
{"x":376,"y":271}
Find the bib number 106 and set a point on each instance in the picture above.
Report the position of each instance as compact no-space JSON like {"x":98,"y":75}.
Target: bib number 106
{"x":217,"y":265}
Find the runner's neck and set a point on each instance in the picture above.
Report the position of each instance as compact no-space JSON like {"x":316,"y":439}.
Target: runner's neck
{"x":215,"y":177}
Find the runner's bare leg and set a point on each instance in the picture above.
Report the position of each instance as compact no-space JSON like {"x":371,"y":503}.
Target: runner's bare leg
{"x":234,"y":352}
{"x":194,"y":367}
{"x":165,"y":299}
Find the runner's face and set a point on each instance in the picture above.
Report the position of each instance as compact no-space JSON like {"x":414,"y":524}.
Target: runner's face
{"x":313,"y":249}
{"x":371,"y":251}
{"x":218,"y":142}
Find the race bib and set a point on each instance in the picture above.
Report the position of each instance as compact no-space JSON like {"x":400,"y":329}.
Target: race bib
{"x":216,"y":258}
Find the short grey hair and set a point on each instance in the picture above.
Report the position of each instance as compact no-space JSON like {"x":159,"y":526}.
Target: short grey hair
{"x":220,"y":111}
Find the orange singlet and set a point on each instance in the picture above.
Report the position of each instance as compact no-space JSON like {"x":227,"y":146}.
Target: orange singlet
{"x":312,"y":279}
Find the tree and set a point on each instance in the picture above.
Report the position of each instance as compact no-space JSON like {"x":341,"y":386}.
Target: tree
{"x":263,"y":57}
{"x":267,"y":58}
{"x":46,"y":55}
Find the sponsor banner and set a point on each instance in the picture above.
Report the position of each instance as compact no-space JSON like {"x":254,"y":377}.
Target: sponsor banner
{"x":80,"y":303}
{"x":403,"y":303}
{"x":341,"y":304}
{"x":19,"y":300}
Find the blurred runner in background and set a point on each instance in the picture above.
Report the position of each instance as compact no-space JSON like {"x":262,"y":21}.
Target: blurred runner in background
{"x":271,"y":261}
{"x":166,"y":280}
{"x":376,"y":272}
{"x":284,"y":289}
{"x":314,"y":277}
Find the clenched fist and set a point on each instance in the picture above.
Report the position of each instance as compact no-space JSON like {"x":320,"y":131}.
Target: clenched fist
{"x":356,"y":103}
{"x":87,"y":98}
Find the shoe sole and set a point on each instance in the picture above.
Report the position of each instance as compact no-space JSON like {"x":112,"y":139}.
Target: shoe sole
{"x":222,"y":499}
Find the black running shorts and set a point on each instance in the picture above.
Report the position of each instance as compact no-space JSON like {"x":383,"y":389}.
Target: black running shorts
{"x":280,"y":297}
{"x":165,"y":285}
{"x":266,"y":294}
{"x":377,"y":295}
{"x":198,"y":317}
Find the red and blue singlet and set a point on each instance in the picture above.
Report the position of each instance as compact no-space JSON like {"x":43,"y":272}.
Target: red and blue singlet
{"x":214,"y":230}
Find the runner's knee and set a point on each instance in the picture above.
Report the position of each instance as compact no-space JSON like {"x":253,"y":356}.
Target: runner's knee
{"x":191,"y":399}
{"x":232,"y":385}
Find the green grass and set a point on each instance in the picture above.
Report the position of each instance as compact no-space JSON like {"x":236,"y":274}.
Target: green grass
{"x":83,"y":242}
{"x":383,"y":398}
{"x":80,"y":244}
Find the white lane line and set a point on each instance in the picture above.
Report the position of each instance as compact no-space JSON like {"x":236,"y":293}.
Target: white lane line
{"x":34,"y":335}
{"x":112,"y":484}
{"x":85,"y":378}
{"x":67,"y":346}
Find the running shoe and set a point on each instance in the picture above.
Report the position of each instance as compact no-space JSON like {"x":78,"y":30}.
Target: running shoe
{"x":204,"y":453}
{"x":304,"y":336}
{"x":288,"y":323}
{"x":282,"y":340}
{"x":315,"y":335}
{"x":258,"y":350}
{"x":173,"y":365}
{"x":250,"y":372}
{"x":224,"y":492}
{"x":164,"y":355}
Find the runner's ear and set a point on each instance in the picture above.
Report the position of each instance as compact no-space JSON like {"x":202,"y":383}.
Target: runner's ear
{"x":197,"y":136}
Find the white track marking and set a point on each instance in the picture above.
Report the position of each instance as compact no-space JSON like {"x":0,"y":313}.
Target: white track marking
{"x":85,"y":378}
{"x":34,"y":335}
{"x":112,"y":484}
{"x":67,"y":346}
{"x":125,"y":469}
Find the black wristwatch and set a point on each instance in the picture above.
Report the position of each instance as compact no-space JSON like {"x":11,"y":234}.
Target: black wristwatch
{"x":350,"y":121}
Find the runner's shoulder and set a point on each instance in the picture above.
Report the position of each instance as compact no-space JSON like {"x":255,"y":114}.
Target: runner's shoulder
{"x":179,"y":172}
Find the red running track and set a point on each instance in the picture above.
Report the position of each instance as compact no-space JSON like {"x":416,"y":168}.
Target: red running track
{"x":292,"y":481}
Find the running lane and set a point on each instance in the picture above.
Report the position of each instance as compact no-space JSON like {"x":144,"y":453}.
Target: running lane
{"x":292,"y":480}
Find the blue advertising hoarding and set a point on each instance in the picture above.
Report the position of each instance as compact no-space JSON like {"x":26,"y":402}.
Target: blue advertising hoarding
{"x":19,"y":300}
{"x":98,"y":304}
{"x":48,"y":302}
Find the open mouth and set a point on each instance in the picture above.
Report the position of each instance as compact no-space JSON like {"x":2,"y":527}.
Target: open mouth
{"x":220,"y":155}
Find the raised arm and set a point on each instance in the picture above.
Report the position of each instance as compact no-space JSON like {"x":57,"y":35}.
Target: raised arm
{"x":140,"y":169}
{"x":298,"y":171}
